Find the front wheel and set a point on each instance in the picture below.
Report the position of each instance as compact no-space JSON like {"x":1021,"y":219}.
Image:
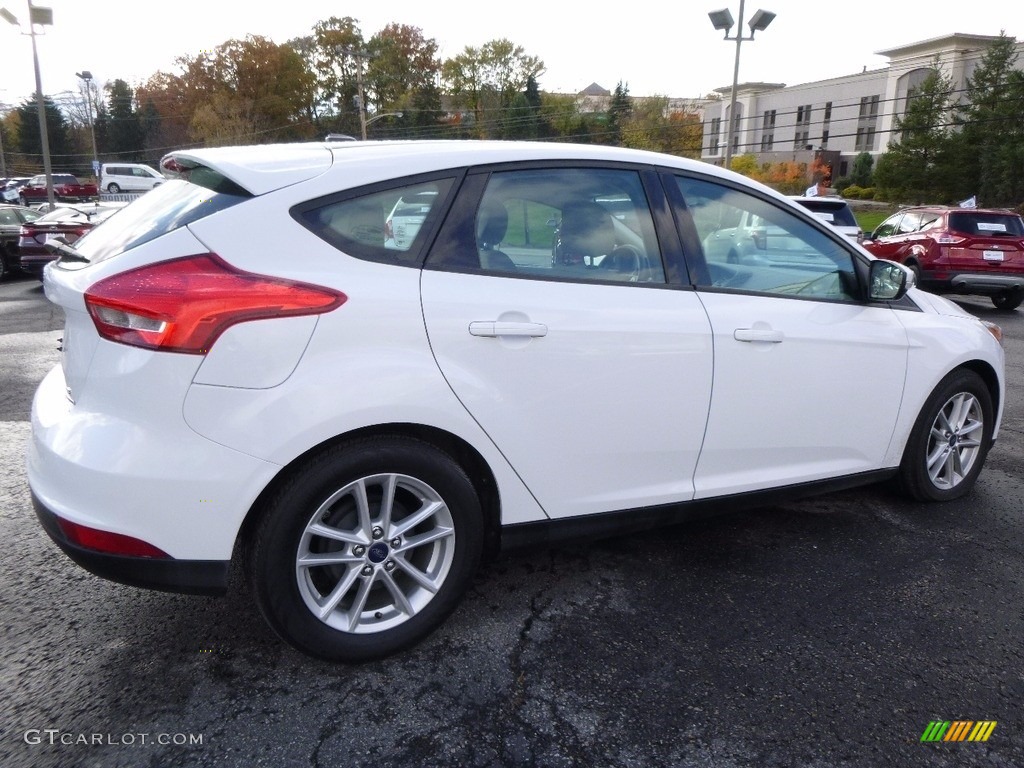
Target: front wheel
{"x":950,"y":440}
{"x":1008,"y":301}
{"x":366,"y":549}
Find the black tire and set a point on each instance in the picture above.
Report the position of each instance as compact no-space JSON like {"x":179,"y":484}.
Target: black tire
{"x":917,"y":273}
{"x":950,"y":439}
{"x":1008,"y":301}
{"x":113,"y":188}
{"x":368,"y":620}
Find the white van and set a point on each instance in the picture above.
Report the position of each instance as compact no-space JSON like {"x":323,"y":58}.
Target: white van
{"x":128,"y":177}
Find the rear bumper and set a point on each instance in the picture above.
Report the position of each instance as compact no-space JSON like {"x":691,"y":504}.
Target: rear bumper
{"x":197,"y":577}
{"x":974,"y":283}
{"x":987,"y":283}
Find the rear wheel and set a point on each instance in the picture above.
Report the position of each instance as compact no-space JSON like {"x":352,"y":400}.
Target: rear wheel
{"x":1008,"y":301}
{"x":949,"y":441}
{"x":113,"y":188}
{"x":367,"y":548}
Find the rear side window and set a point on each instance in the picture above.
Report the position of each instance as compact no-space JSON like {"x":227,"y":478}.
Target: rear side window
{"x":987,"y":224}
{"x":385,"y":225}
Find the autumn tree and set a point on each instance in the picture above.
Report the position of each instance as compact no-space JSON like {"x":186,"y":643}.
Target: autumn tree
{"x":486,"y":81}
{"x":401,"y":75}
{"x":337,"y":57}
{"x":241,"y":92}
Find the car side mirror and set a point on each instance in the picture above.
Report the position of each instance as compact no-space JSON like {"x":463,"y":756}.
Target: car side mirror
{"x":889,"y":281}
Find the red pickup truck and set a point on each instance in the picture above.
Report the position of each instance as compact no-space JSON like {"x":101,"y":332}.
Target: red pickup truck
{"x":65,"y":187}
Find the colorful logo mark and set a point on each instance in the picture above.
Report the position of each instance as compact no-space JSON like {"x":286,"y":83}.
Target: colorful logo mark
{"x":958,"y":730}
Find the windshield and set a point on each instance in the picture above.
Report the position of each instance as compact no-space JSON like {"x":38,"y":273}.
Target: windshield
{"x":167,"y":207}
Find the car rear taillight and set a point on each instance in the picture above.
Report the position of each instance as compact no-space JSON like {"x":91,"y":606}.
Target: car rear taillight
{"x":948,"y":239}
{"x":184,"y":305}
{"x":105,"y":541}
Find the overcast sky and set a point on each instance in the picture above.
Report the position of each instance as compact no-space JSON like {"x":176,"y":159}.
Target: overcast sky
{"x":656,"y":48}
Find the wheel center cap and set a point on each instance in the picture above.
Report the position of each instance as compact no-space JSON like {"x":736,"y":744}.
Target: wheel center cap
{"x":378,"y":552}
{"x":953,"y":440}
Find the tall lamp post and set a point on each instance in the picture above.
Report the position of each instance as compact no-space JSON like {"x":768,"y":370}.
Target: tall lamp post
{"x":86,"y":76}
{"x":723,"y":20}
{"x":42,"y":17}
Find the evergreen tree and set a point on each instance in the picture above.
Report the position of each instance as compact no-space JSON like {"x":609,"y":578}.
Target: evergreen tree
{"x":861,"y":173}
{"x":125,"y":135}
{"x":620,"y":110}
{"x":30,"y":140}
{"x":989,"y":151}
{"x":916,"y":166}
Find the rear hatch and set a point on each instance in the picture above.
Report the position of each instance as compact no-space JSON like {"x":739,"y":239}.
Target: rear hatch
{"x":988,"y":241}
{"x":135,"y":249}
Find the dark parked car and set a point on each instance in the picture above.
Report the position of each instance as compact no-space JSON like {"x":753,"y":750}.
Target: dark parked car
{"x":11,"y":219}
{"x":61,"y":225}
{"x":975,"y":251}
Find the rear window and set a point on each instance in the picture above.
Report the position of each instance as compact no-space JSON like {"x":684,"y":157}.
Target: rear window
{"x":987,"y":224}
{"x":837,"y":213}
{"x":167,"y":207}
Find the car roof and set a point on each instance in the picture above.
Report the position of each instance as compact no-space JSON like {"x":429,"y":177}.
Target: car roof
{"x":958,"y":209}
{"x":263,"y":168}
{"x":824,"y":199}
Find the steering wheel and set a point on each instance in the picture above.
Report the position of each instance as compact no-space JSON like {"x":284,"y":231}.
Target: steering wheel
{"x":627,"y":260}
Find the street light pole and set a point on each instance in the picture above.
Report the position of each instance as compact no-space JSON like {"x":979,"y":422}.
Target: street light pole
{"x":723,"y":20}
{"x":86,"y":75}
{"x":42,"y":17}
{"x":379,"y":116}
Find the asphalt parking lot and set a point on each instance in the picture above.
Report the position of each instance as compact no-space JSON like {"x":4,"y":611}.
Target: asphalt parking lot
{"x":829,"y":633}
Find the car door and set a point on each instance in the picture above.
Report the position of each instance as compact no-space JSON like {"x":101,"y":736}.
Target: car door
{"x":550,"y":315}
{"x":808,"y":377}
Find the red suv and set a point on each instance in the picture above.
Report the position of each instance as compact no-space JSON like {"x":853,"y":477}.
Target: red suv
{"x":975,"y":251}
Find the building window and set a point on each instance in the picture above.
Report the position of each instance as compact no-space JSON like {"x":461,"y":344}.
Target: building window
{"x":803,"y":127}
{"x":768,"y":131}
{"x":867,"y":123}
{"x":716,"y":130}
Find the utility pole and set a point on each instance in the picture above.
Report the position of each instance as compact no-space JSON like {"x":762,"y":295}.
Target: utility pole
{"x":86,"y":76}
{"x":359,"y":56}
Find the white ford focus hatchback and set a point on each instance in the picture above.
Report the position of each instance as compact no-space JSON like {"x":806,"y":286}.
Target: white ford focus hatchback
{"x":255,"y":375}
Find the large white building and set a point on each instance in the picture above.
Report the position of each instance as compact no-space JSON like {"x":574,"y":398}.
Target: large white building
{"x":835,"y":119}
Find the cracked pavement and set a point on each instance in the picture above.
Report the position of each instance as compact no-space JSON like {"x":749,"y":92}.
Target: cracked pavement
{"x":823,"y":633}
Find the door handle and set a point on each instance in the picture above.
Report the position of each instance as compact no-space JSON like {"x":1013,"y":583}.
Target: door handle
{"x":494,"y":328}
{"x":758,"y":334}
